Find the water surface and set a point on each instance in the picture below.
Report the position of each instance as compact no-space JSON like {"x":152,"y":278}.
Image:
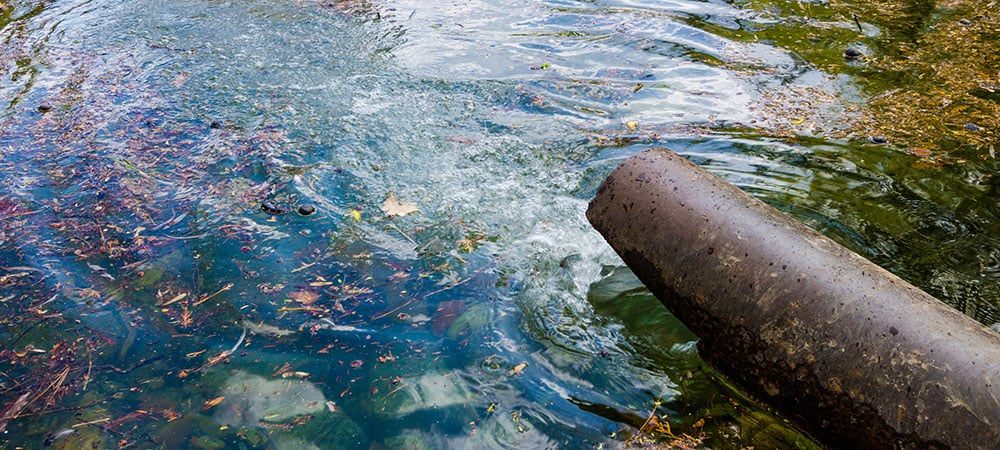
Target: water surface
{"x":152,"y":298}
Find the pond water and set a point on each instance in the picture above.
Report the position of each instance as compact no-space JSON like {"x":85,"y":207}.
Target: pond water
{"x":165,"y":282}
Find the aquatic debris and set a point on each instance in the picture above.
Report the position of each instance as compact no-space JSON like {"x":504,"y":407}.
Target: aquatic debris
{"x":304,"y":297}
{"x":170,"y":414}
{"x":221,"y":356}
{"x":517,"y":369}
{"x":266,"y":329}
{"x":327,"y":324}
{"x":173,"y":300}
{"x":209,"y":404}
{"x":51,"y":438}
{"x":393,"y":207}
{"x":14,"y":409}
{"x":204,"y":299}
{"x":295,"y":374}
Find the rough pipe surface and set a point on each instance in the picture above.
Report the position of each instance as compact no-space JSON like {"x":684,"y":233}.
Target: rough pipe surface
{"x":851,"y":353}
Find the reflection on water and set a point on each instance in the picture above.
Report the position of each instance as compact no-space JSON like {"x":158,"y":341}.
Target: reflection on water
{"x":160,"y":289}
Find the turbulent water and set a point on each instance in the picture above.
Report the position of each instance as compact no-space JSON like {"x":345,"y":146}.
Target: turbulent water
{"x":160,"y":287}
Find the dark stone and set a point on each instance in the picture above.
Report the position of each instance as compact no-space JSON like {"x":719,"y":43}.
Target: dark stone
{"x":44,"y":108}
{"x":972,"y":127}
{"x":965,"y":22}
{"x":272,"y":208}
{"x":879,"y":139}
{"x":852,"y":53}
{"x":215,"y":125}
{"x":306,"y":209}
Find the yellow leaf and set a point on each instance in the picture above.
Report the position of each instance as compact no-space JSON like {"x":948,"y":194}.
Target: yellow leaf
{"x":517,"y":369}
{"x":393,"y":207}
{"x":356,"y":215}
{"x":632,"y":125}
{"x":798,"y":121}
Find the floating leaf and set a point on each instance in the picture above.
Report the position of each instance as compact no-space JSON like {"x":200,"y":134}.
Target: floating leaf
{"x":517,"y":369}
{"x":393,"y":207}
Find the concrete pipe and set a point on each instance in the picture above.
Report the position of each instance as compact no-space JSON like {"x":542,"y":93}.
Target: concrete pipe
{"x":852,"y":354}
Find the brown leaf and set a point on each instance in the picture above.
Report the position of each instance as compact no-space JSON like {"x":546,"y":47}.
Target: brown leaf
{"x":393,"y":207}
{"x":304,"y":297}
{"x":211,"y":403}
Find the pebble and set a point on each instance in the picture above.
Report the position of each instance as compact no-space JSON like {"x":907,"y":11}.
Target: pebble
{"x":972,"y":127}
{"x":215,"y":125}
{"x":965,"y":22}
{"x":879,"y":139}
{"x":272,"y":208}
{"x":306,"y":209}
{"x":44,"y":108}
{"x":852,"y":53}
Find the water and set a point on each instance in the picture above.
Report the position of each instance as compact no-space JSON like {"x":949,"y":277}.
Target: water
{"x":148,"y":301}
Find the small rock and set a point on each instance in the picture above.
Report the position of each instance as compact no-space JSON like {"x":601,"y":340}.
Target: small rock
{"x":972,"y":127}
{"x":879,"y":139}
{"x":215,"y":125}
{"x":852,"y":53}
{"x":44,"y":108}
{"x":306,"y":209}
{"x":965,"y":22}
{"x":272,"y":208}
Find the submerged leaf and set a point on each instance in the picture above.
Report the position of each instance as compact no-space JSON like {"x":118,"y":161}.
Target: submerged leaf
{"x":304,"y":297}
{"x":393,"y":207}
{"x":211,"y":403}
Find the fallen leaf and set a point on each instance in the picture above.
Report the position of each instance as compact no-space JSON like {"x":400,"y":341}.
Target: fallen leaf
{"x":211,"y":403}
{"x":171,"y":414}
{"x":393,"y":207}
{"x":304,"y":297}
{"x":517,"y":369}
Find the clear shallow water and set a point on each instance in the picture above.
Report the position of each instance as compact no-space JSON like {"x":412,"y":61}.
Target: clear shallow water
{"x":137,"y":256}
